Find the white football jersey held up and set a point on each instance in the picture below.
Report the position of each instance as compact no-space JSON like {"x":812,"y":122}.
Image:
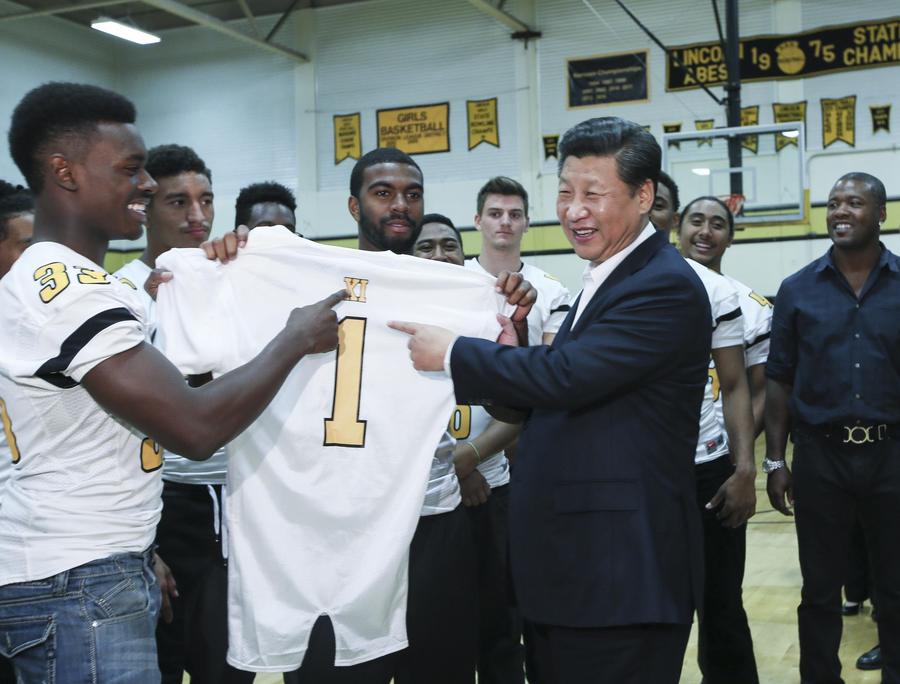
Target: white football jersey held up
{"x":727,"y":331}
{"x":325,"y":488}
{"x":84,"y":485}
{"x":551,"y":307}
{"x":756,"y":312}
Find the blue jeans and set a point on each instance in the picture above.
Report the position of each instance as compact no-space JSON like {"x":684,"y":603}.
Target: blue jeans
{"x":93,"y":624}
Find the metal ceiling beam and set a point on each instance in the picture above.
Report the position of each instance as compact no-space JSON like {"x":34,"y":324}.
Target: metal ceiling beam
{"x":185,"y":12}
{"x":281,"y":20}
{"x":245,"y":8}
{"x":504,"y":18}
{"x":92,"y":4}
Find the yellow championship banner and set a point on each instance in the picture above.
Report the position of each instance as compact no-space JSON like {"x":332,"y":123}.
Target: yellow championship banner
{"x":825,"y":50}
{"x":750,"y":117}
{"x":424,"y":129}
{"x":704,"y":125}
{"x":839,"y":120}
{"x":551,"y":142}
{"x":482,"y":121}
{"x":881,"y":118}
{"x":785,"y":112}
{"x":347,"y":137}
{"x":673,"y":128}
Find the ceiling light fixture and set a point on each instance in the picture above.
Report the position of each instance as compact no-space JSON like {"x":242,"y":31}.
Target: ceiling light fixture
{"x":702,"y":171}
{"x":123,"y":31}
{"x":791,"y":134}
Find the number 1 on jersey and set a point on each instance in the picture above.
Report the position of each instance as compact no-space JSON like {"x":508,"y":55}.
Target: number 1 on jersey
{"x":344,"y":428}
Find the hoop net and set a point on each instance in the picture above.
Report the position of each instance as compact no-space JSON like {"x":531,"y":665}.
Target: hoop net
{"x":735,"y":203}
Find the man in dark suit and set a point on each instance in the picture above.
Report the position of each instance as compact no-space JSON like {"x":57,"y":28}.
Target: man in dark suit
{"x":604,"y":532}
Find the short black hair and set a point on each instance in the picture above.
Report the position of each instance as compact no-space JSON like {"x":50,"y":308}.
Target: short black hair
{"x":711,"y":198}
{"x":54,"y":111}
{"x":15,"y":200}
{"x":637,"y":154}
{"x":876,"y":187}
{"x":501,"y":185}
{"x":440,"y":218}
{"x":258,"y":193}
{"x":666,"y":180}
{"x":165,"y":161}
{"x":380,"y":155}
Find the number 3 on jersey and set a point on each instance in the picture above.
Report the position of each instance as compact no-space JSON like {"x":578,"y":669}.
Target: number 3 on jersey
{"x":10,"y":435}
{"x":344,"y":428}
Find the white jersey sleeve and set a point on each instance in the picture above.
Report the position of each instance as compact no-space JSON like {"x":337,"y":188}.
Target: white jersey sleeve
{"x":135,"y":274}
{"x":331,"y":476}
{"x":83,"y":484}
{"x":552,"y":305}
{"x":727,"y":324}
{"x":757,"y":314}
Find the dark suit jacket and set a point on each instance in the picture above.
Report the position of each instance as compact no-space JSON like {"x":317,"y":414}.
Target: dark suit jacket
{"x":604,"y":527}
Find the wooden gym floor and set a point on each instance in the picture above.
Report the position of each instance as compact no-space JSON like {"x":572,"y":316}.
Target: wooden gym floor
{"x":771,"y":595}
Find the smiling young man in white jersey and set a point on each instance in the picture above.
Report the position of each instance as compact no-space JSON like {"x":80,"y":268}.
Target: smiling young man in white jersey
{"x":190,"y":536}
{"x":727,"y":432}
{"x":91,"y":404}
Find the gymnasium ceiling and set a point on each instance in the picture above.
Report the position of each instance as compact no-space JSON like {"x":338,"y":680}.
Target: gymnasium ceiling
{"x":232,"y":17}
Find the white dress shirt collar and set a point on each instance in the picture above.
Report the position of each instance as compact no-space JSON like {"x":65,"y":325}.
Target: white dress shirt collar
{"x":595,"y":274}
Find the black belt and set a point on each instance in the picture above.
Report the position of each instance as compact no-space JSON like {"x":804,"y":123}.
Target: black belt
{"x":859,"y":434}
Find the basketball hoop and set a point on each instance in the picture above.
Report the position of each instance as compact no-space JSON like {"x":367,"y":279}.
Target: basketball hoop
{"x":735,"y":203}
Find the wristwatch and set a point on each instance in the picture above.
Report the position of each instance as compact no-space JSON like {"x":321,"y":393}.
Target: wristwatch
{"x":771,"y":466}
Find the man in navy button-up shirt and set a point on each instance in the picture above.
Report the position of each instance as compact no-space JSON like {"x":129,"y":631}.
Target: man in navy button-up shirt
{"x":834,"y":374}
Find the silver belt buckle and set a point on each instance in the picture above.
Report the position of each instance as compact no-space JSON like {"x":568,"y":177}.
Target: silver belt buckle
{"x":862,"y":434}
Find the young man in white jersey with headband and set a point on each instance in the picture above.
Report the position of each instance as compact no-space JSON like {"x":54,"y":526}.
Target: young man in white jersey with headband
{"x":92,"y":404}
{"x":724,"y":460}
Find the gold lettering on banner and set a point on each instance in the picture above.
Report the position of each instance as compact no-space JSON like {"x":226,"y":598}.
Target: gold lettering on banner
{"x":824,"y":50}
{"x":704,"y":125}
{"x":784,"y":112}
{"x":482,"y":121}
{"x":839,"y":120}
{"x":356,"y":289}
{"x":551,"y":142}
{"x":750,"y":117}
{"x":881,"y":118}
{"x":424,"y":129}
{"x":673,"y":128}
{"x":347,"y":137}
